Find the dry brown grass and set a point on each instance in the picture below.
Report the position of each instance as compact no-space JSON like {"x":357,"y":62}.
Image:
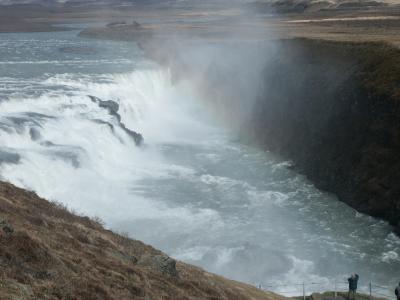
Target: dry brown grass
{"x":54,"y":254}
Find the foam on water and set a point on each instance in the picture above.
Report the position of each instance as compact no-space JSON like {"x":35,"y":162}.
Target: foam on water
{"x":189,"y":190}
{"x":82,"y":153}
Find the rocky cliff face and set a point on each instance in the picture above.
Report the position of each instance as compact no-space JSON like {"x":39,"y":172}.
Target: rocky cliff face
{"x":46,"y":252}
{"x":333,"y":108}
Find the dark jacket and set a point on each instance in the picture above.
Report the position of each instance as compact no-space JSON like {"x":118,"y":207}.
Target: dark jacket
{"x":397,"y":291}
{"x":353,"y":282}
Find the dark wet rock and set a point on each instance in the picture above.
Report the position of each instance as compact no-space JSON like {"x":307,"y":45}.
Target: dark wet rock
{"x":333,"y":109}
{"x":137,"y":137}
{"x":109,"y":125}
{"x":159,"y":263}
{"x":397,"y":229}
{"x":112,"y":107}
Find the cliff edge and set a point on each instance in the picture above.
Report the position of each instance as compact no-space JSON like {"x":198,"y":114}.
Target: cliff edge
{"x":333,"y":108}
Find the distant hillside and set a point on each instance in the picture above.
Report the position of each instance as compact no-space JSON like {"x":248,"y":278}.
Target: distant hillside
{"x":260,"y":4}
{"x":120,"y":2}
{"x":299,"y":6}
{"x":60,"y":2}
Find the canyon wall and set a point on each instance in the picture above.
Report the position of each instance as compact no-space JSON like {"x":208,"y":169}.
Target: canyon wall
{"x":333,"y":109}
{"x":330,"y":107}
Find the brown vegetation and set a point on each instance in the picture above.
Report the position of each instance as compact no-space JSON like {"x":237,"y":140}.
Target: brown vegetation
{"x":46,"y":252}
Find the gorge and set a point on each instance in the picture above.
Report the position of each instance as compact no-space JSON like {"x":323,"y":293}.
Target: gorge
{"x":260,"y":148}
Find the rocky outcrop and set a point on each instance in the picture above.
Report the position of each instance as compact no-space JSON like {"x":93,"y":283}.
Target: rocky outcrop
{"x":333,"y":108}
{"x":46,"y":252}
{"x":112,"y":107}
{"x":160,"y":263}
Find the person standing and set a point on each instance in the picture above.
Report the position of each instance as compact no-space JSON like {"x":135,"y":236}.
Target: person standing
{"x":397,"y":291}
{"x":353,"y":281}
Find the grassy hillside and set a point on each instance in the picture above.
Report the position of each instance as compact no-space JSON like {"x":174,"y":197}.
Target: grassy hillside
{"x":46,"y":252}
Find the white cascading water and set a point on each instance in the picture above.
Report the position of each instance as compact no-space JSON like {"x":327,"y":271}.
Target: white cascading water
{"x":189,"y":190}
{"x":79,"y":160}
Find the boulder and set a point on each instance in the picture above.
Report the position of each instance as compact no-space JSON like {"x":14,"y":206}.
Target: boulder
{"x":113,"y":108}
{"x":160,"y":263}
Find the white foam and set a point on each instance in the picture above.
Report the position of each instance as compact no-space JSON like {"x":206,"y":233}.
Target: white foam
{"x":261,"y":198}
{"x":223,"y":182}
{"x":389,"y":256}
{"x":282,"y":165}
{"x":302,"y":271}
{"x":108,"y":162}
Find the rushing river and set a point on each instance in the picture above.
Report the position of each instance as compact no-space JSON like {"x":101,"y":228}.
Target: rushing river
{"x":191,"y":189}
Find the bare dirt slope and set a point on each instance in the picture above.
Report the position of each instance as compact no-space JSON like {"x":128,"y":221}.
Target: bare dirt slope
{"x":47,"y":252}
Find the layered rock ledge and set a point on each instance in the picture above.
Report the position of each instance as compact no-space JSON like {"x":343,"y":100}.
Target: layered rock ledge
{"x":333,"y":108}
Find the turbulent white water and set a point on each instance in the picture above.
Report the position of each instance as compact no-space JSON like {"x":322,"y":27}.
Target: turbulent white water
{"x":190,"y":190}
